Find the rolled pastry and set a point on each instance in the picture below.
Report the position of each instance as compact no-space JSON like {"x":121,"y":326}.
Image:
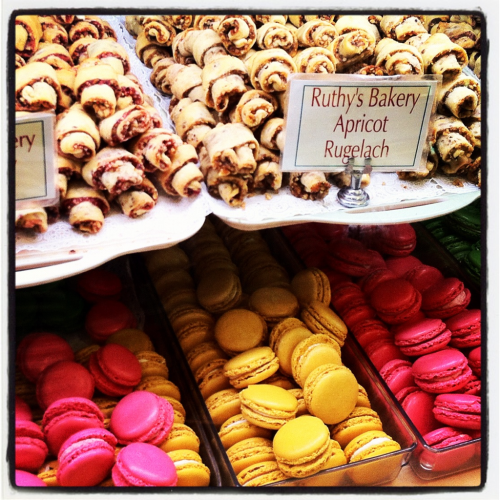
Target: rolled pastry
{"x":193,"y":120}
{"x":139,"y":199}
{"x":53,"y":32}
{"x":401,"y":28}
{"x":125,"y":124}
{"x":272,"y":135}
{"x":460,"y":96}
{"x":443,"y":57}
{"x":207,"y":46}
{"x":109,"y":32}
{"x":431,"y":20}
{"x":187,"y":78}
{"x":66,"y":79}
{"x":155,"y":148}
{"x":477,"y":67}
{"x":473,"y":123}
{"x":149,"y":52}
{"x":315,"y":60}
{"x":232,"y":148}
{"x":269,"y":69}
{"x":37,"y":88}
{"x":274,"y":35}
{"x":430,"y":170}
{"x":77,"y":136}
{"x":309,"y":185}
{"x":180,"y":22}
{"x":32,"y":218}
{"x":19,"y":61}
{"x":78,"y":49}
{"x":114,"y":170}
{"x":265,"y":19}
{"x":69,"y":167}
{"x":454,"y":141}
{"x":460,"y":33}
{"x":54,"y":54}
{"x":158,"y":75}
{"x":223,"y":81}
{"x":154,"y":114}
{"x":130,"y":92}
{"x":417,"y":40}
{"x":133,"y":25}
{"x":182,"y":177}
{"x":28,"y":32}
{"x":316,"y":33}
{"x":65,"y":20}
{"x":342,"y":179}
{"x":398,"y":58}
{"x":84,"y":28}
{"x":207,"y":22}
{"x":103,"y":27}
{"x":254,"y":108}
{"x":85,"y":206}
{"x":110,"y":52}
{"x":367,"y":69}
{"x":96,"y":87}
{"x":157,"y":30}
{"x":268,"y":175}
{"x":238,"y":34}
{"x":182,"y":46}
{"x":298,"y":21}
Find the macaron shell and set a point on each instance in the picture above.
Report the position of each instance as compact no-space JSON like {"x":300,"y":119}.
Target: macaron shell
{"x":238,"y":428}
{"x":249,"y":452}
{"x":319,"y":318}
{"x":422,"y":337}
{"x":311,"y":284}
{"x":331,"y":392}
{"x":181,"y":437}
{"x":261,"y":474}
{"x":465,"y":329}
{"x":26,"y":479}
{"x":119,"y":364}
{"x":191,"y":471}
{"x":370,"y":444}
{"x":30,"y":448}
{"x":359,"y":421}
{"x":446,"y":298}
{"x":458,"y":410}
{"x":397,"y":374}
{"x":418,"y":405}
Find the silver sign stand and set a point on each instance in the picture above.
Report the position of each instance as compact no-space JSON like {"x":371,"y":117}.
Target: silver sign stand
{"x":354,"y":196}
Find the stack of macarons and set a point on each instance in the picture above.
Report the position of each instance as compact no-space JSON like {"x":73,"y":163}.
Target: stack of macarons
{"x":413,"y":322}
{"x":78,"y":411}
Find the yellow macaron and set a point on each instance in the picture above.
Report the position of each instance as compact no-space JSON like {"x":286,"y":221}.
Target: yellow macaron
{"x":320,"y":318}
{"x":191,"y":471}
{"x":238,"y":428}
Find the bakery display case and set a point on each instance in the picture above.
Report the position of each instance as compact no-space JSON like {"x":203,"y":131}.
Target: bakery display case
{"x":190,"y":304}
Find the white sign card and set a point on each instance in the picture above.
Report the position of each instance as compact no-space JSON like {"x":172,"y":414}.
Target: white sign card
{"x":35,"y":161}
{"x":330,"y":118}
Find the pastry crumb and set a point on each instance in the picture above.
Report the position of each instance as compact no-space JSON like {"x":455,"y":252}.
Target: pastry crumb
{"x":268,"y":196}
{"x":458,"y":183}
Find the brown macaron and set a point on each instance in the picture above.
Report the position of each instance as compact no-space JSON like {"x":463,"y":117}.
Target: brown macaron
{"x":274,"y":304}
{"x":219,"y":290}
{"x":311,"y":284}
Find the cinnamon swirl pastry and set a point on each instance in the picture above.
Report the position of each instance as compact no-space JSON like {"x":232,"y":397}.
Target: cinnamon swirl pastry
{"x":125,"y":124}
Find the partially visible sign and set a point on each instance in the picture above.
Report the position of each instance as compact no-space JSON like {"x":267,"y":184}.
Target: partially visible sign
{"x":34,"y":160}
{"x":331,"y":118}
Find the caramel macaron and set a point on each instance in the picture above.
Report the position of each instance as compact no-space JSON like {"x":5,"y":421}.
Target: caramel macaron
{"x":239,"y":330}
{"x":274,"y":304}
{"x":311,"y":284}
{"x":133,"y":339}
{"x":320,"y":318}
{"x":219,"y":290}
{"x":238,"y":428}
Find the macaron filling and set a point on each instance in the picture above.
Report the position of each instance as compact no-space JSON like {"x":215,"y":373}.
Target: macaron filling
{"x":369,"y":447}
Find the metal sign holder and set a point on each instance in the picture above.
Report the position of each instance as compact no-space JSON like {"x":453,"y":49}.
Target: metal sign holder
{"x":354,"y":196}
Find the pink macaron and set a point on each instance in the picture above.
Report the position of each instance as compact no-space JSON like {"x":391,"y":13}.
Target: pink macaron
{"x":31,"y":450}
{"x":26,"y":479}
{"x":116,"y":370}
{"x":419,"y":406}
{"x":347,"y":295}
{"x":465,"y":329}
{"x":397,"y":375}
{"x":398,"y":240}
{"x":446,"y":298}
{"x":39,"y":350}
{"x":423,"y":277}
{"x":86,"y":458}
{"x":395,"y":301}
{"x":22,"y":410}
{"x":107,"y":317}
{"x":369,"y":330}
{"x":67,"y":416}
{"x":381,"y":351}
{"x":142,"y":464}
{"x":474,"y":360}
{"x":142,"y":416}
{"x":422,"y":337}
{"x":64,"y":379}
{"x":473,"y":386}
{"x":458,"y":410}
{"x":445,"y":437}
{"x":442,"y":371}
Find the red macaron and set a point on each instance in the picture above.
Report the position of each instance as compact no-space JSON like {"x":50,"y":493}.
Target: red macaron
{"x":398,"y":240}
{"x":446,"y":298}
{"x":401,"y":265}
{"x":116,"y":370}
{"x":465,"y":329}
{"x":474,"y":360}
{"x":442,"y":371}
{"x":107,"y":317}
{"x":346,"y":295}
{"x":64,"y":379}
{"x":67,"y":416}
{"x":458,"y":410}
{"x":419,"y":406}
{"x":22,"y":410}
{"x":39,"y":350}
{"x":99,"y":284}
{"x":351,"y":257}
{"x":423,"y":277}
{"x":143,"y":417}
{"x":381,"y":351}
{"x":395,"y":301}
{"x":31,"y":450}
{"x":369,"y":330}
{"x":86,"y":458}
{"x":368,"y":282}
{"x":423,"y":336}
{"x":397,"y":375}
